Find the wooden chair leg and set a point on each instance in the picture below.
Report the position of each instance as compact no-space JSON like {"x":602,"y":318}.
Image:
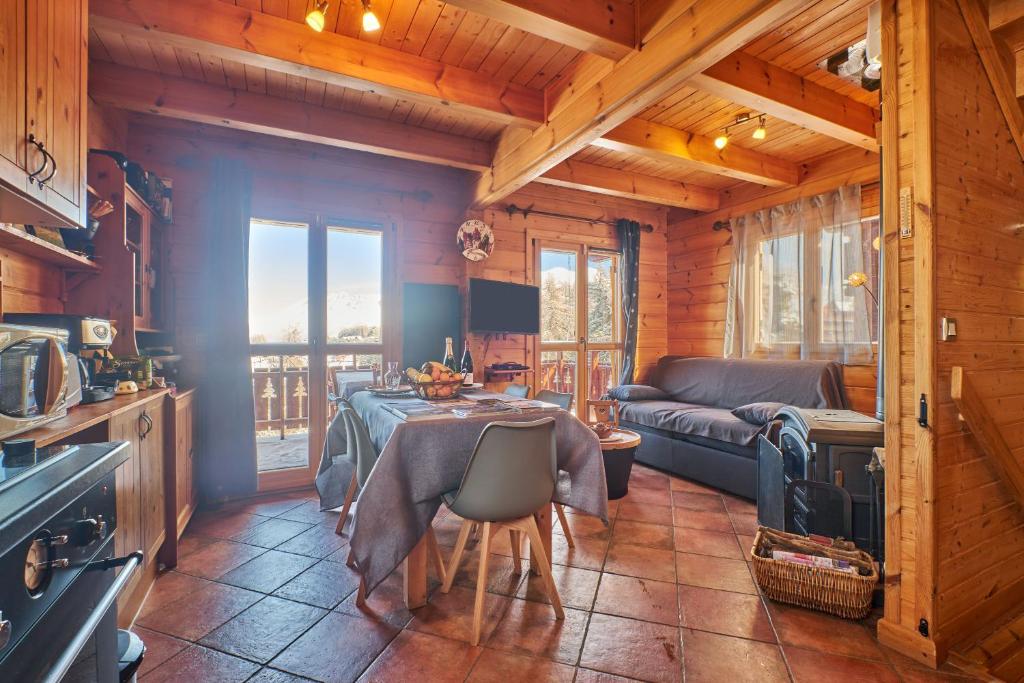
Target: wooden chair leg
{"x":350,"y":561}
{"x":515,"y":539}
{"x":349,"y":495}
{"x":560,"y":511}
{"x":361,"y":593}
{"x":545,"y":565}
{"x":481,"y":582}
{"x":435,"y":555}
{"x":453,"y":564}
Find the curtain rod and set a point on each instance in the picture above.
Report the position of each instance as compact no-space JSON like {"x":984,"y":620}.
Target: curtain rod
{"x":512,"y":209}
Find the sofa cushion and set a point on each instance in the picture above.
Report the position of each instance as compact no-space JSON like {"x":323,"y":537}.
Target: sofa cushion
{"x":728,"y":382}
{"x":637,"y":392}
{"x":760,"y":413}
{"x":687,"y":419}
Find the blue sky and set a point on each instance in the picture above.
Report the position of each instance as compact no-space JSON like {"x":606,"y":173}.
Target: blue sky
{"x":278,"y":273}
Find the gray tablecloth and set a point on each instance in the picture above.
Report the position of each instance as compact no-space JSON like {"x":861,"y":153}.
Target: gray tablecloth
{"x":420,"y":460}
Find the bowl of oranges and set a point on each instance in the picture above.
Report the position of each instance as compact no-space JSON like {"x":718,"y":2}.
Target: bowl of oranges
{"x":435,"y":381}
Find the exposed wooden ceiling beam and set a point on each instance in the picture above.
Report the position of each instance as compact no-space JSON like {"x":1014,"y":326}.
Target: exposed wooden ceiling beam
{"x":603,"y":180}
{"x":180,"y":98}
{"x":698,"y":38}
{"x":662,"y":143}
{"x":655,"y":15}
{"x":602,"y":27}
{"x":227,"y":31}
{"x":189,"y":100}
{"x":764,"y":87}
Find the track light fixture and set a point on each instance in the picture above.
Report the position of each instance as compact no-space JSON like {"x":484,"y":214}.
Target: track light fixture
{"x":317,"y":17}
{"x":370,"y":21}
{"x":760,"y":133}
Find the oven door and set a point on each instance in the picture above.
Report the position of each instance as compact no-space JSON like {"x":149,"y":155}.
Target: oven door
{"x":33,"y":377}
{"x":76,"y":640}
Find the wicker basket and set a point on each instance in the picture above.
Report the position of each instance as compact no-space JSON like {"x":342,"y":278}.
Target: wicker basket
{"x":430,"y":390}
{"x":826,"y":590}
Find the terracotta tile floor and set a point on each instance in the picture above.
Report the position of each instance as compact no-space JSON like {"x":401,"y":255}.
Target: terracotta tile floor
{"x":261,"y":593}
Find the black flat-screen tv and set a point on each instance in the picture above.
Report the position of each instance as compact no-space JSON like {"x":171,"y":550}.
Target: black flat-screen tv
{"x":503,"y":307}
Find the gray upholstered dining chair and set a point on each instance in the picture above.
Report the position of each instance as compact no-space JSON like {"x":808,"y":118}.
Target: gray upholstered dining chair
{"x":563,"y":401}
{"x":365,"y":458}
{"x":518,"y":390}
{"x":510,"y":476}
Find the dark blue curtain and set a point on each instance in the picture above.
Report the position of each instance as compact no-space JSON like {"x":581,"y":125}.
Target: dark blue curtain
{"x":629,"y":238}
{"x":228,"y":459}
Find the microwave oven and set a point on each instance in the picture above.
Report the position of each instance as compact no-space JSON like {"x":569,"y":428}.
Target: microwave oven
{"x":34,"y":373}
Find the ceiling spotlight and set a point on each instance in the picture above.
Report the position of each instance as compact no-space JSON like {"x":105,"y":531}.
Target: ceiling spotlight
{"x":317,"y":16}
{"x":721,"y":141}
{"x":761,"y":132}
{"x":370,"y":21}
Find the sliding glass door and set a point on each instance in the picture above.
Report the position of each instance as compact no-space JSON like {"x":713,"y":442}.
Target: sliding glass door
{"x":316,"y":322}
{"x":580,"y":344}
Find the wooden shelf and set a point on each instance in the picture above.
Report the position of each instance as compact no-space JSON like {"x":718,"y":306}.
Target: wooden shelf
{"x":29,"y":245}
{"x":506,"y":375}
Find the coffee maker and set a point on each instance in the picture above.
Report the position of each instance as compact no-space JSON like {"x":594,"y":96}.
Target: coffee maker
{"x":84,"y":334}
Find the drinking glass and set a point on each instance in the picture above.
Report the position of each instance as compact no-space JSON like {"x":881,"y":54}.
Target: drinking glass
{"x":393,"y":377}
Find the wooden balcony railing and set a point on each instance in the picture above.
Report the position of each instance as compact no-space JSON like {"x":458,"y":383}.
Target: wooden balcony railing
{"x":280,"y":391}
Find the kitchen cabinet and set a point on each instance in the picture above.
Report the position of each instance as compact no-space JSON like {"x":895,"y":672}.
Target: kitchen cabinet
{"x":180,"y":493}
{"x":43,"y":63}
{"x":139,"y":485}
{"x":131,"y":241}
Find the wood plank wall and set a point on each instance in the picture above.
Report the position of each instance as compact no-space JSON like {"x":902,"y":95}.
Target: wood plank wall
{"x":699,"y":260}
{"x":510,"y":261}
{"x":979,"y":274}
{"x":28,"y":285}
{"x":427,"y":201}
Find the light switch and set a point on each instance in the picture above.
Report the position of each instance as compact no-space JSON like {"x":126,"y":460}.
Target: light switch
{"x":948,"y":329}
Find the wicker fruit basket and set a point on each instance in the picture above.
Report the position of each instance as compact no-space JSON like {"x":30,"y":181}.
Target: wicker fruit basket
{"x":826,"y":590}
{"x":438,"y":391}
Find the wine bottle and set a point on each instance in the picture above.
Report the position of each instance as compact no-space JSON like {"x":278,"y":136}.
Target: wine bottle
{"x":466,"y":367}
{"x":449,"y":355}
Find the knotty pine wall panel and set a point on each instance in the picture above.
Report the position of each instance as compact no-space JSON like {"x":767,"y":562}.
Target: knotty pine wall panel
{"x":427,"y":201}
{"x":979,"y":265}
{"x":28,"y":285}
{"x":698,"y":281}
{"x":514,"y":250}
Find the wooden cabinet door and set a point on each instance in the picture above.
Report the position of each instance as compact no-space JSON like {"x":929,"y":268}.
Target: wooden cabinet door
{"x":128,"y":536}
{"x":55,"y":108}
{"x":12,"y":85}
{"x":151,"y":457}
{"x":66,"y":104}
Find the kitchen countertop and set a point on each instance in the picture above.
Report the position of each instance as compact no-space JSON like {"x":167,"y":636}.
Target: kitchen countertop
{"x":81,"y":417}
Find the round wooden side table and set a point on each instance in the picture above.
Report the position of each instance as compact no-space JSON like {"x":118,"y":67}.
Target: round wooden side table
{"x":618,"y":450}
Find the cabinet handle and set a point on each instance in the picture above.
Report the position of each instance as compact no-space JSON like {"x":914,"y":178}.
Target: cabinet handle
{"x":46,"y":157}
{"x":148,"y":421}
{"x":53,"y":163}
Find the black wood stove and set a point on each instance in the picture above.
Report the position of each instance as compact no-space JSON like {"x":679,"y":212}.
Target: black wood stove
{"x":58,"y":589}
{"x":817,"y":474}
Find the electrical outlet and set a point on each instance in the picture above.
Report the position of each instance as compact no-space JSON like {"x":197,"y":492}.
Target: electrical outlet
{"x":948,"y":329}
{"x":906,"y":212}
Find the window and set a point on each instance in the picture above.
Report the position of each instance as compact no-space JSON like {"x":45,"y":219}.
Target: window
{"x":316,"y":321}
{"x":581,"y":320}
{"x":790,"y":293}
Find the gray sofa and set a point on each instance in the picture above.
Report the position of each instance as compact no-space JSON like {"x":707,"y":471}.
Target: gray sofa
{"x":700,"y":417}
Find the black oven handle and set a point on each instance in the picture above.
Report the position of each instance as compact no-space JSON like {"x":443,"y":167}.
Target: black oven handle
{"x":130,"y":562}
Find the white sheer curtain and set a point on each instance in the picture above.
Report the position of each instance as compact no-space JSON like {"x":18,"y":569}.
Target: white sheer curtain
{"x":788,"y":296}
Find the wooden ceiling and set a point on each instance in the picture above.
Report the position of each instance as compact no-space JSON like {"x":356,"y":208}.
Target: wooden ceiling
{"x":486,"y":82}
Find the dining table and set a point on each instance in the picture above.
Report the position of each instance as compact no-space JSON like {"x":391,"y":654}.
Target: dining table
{"x":422,"y":458}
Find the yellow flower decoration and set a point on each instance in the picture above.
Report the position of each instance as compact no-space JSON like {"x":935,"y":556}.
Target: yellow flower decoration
{"x":857,"y":279}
